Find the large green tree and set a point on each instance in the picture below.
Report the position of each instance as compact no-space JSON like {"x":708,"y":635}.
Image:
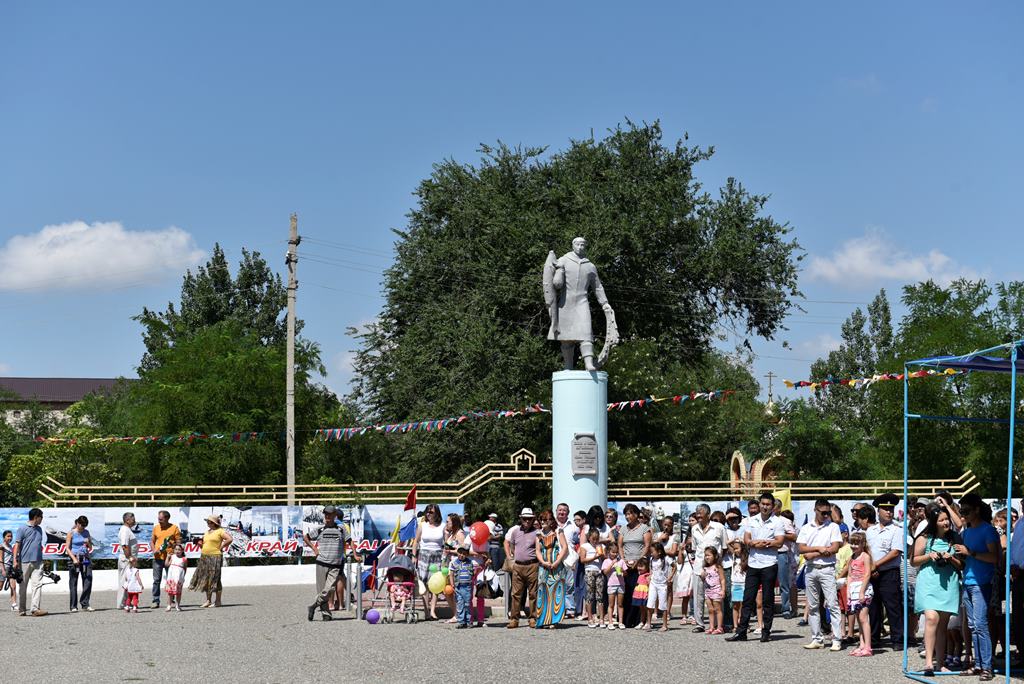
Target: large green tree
{"x":958,"y":318}
{"x":464,"y":325}
{"x":214,"y":363}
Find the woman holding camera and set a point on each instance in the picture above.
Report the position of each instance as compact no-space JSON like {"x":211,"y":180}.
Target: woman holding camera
{"x":78,"y":545}
{"x":938,"y":584}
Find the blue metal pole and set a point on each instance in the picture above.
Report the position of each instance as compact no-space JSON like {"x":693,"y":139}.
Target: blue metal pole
{"x":1009,"y":505}
{"x":906,"y":511}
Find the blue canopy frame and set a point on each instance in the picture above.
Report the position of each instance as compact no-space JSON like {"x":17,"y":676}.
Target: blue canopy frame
{"x":974,"y":362}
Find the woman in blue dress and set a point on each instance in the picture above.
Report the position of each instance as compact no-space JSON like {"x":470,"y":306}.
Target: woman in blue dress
{"x":552,"y":549}
{"x":938,"y":584}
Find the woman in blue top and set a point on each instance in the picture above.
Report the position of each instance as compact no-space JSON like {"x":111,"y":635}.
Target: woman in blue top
{"x":938,"y":583}
{"x":78,"y":545}
{"x":981,"y":544}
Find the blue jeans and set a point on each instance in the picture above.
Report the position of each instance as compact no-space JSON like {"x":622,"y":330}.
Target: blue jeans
{"x":158,"y":573}
{"x":463,"y":599}
{"x":976,"y":600}
{"x":785,"y":583}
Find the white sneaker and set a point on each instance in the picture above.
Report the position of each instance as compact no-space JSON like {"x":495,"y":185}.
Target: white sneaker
{"x":89,"y":609}
{"x":814,"y":644}
{"x":168,"y":609}
{"x":127,"y":609}
{"x":836,"y":646}
{"x":611,"y":625}
{"x":757,"y":631}
{"x":177,"y":608}
{"x":74,"y":610}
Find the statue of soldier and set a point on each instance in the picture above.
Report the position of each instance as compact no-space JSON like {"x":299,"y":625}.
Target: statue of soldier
{"x":567,"y":283}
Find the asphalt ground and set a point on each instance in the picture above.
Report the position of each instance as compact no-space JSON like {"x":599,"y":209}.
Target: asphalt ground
{"x":262,"y":635}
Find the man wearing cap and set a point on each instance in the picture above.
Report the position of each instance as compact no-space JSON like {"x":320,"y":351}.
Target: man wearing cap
{"x":329,"y":543}
{"x":524,"y":567}
{"x":819,"y":542}
{"x":885,"y":541}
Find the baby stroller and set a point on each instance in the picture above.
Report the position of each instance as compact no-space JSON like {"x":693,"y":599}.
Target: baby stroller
{"x":400,"y":574}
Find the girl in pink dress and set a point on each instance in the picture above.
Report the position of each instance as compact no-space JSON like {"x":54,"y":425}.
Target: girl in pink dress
{"x":176,"y":566}
{"x":857,"y":577}
{"x":714,"y":588}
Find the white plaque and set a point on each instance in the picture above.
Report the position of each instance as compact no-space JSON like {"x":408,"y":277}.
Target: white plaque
{"x":584,"y":454}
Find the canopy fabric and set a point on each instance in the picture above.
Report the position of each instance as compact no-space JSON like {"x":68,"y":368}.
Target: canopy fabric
{"x":975,"y":362}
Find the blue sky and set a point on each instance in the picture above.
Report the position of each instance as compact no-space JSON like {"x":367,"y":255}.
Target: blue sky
{"x":133,"y":137}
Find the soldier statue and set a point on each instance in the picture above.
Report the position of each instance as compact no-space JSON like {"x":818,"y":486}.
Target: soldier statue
{"x":567,"y":283}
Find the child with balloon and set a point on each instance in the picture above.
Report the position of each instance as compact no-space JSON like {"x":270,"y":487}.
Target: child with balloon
{"x":460,"y":578}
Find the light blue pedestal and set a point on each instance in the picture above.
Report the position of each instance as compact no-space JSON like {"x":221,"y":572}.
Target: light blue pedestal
{"x":579,"y":404}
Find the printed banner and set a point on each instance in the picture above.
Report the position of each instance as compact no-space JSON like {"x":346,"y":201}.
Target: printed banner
{"x":256,"y":531}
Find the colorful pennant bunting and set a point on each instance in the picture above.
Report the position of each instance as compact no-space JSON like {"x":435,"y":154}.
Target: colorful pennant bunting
{"x":865,"y":382}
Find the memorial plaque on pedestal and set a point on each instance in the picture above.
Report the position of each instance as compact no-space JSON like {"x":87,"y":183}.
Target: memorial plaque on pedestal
{"x":584,"y":454}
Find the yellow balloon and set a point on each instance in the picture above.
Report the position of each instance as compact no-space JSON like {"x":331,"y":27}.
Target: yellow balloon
{"x":436,"y":583}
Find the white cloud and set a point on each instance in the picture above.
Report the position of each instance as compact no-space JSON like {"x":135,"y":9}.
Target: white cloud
{"x":4,"y":368}
{"x":873,"y":258}
{"x":868,"y":84}
{"x":98,"y":255}
{"x":344,"y":363}
{"x":820,"y":346}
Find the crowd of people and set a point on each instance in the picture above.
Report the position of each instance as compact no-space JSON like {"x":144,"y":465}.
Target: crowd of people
{"x":23,"y":571}
{"x":720,"y":569}
{"x":722,"y":572}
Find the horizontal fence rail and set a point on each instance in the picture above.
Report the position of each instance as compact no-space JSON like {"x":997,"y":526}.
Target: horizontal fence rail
{"x":523,"y":465}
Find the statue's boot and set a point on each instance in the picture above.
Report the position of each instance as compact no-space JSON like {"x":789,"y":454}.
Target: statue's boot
{"x":587,"y":351}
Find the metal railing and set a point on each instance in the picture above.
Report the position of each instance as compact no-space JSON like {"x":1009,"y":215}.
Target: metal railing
{"x":523,"y":465}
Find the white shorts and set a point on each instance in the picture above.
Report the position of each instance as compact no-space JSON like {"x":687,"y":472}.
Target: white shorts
{"x":614,"y":590}
{"x":657,"y":596}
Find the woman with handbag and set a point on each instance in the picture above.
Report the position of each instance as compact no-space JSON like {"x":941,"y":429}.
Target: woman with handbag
{"x":938,"y":584}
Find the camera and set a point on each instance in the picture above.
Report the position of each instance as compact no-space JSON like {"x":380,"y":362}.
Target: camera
{"x":15,"y":574}
{"x":52,"y":576}
{"x":941,"y":561}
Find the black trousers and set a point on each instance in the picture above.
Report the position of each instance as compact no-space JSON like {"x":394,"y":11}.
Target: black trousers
{"x":888,"y":594}
{"x":763,"y":578}
{"x":631,"y":613}
{"x":85,"y":572}
{"x":1017,"y":618}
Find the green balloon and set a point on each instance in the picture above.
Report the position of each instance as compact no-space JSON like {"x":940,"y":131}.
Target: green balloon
{"x":433,"y":568}
{"x":444,"y":571}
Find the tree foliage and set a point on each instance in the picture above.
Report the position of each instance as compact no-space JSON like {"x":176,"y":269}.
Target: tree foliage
{"x":955,"y":319}
{"x":464,"y":325}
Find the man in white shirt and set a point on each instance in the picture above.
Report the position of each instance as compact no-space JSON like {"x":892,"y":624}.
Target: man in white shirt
{"x":128,"y":549}
{"x":819,"y":542}
{"x":764,"y":535}
{"x":886,"y":541}
{"x":1017,"y":590}
{"x":706,"y":534}
{"x":566,"y":526}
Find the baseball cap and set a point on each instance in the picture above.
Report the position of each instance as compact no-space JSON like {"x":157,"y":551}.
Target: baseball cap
{"x":526,"y":513}
{"x":493,"y":515}
{"x":330,"y":509}
{"x":923,"y":501}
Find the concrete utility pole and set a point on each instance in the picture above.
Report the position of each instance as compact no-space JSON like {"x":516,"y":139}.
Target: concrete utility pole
{"x":291,"y":260}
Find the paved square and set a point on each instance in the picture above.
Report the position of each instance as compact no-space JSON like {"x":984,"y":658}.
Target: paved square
{"x":262,"y":635}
